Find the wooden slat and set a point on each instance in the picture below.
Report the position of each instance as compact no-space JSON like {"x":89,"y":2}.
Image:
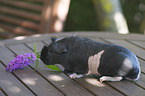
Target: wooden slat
{"x":60,"y":80}
{"x":29,"y":77}
{"x":82,"y":34}
{"x":139,"y":43}
{"x":1,"y":93}
{"x":138,"y":51}
{"x":100,"y":89}
{"x":20,"y":13}
{"x":22,"y":4}
{"x":128,"y":88}
{"x":142,"y":65}
{"x":20,"y":22}
{"x":17,"y":30}
{"x":141,"y":81}
{"x":110,"y":35}
{"x":11,"y":85}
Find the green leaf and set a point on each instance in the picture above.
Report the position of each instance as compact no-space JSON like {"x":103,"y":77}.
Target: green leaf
{"x":36,"y":62}
{"x":53,"y":67}
{"x":39,"y":53}
{"x":35,"y":50}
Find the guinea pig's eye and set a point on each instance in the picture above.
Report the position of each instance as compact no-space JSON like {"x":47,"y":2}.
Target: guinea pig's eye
{"x":50,"y":51}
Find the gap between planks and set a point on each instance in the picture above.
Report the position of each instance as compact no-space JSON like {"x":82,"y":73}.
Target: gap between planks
{"x":19,"y":79}
{"x":2,"y":92}
{"x":37,"y":73}
{"x":61,"y":69}
{"x":42,"y":72}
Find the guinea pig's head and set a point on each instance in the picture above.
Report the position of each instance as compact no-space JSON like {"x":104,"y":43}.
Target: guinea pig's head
{"x":52,"y":53}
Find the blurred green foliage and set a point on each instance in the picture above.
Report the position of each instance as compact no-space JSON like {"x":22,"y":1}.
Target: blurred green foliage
{"x":134,"y":12}
{"x":82,"y":16}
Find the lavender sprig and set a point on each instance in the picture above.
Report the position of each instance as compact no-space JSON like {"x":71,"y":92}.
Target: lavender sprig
{"x":20,"y":61}
{"x":25,"y":60}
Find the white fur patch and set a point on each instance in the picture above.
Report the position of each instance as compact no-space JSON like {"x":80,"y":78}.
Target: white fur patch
{"x":93,"y":63}
{"x":108,"y":78}
{"x":74,"y":75}
{"x":59,"y":39}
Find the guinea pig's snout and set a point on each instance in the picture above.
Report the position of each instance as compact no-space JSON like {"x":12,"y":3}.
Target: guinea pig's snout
{"x":43,"y":55}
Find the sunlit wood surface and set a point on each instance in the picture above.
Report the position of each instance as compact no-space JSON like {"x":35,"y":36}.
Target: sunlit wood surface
{"x":45,"y":82}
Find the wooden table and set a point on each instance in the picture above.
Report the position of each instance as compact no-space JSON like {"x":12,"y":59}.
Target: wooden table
{"x":45,"y":82}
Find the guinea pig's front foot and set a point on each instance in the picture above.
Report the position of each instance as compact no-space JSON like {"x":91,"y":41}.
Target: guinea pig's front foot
{"x":74,"y":75}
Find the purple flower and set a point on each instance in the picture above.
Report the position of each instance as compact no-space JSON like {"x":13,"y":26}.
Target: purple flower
{"x":20,"y":61}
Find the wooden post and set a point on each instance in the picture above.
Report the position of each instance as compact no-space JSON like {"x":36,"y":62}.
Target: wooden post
{"x":45,"y":17}
{"x":60,"y":11}
{"x":54,"y":15}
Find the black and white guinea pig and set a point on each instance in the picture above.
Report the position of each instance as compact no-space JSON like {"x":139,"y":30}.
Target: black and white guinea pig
{"x":81,"y":56}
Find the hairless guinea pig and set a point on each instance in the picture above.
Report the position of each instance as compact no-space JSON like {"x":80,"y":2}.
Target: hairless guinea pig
{"x":81,"y":56}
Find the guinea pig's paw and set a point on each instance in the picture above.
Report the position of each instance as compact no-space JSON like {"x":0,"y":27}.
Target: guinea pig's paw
{"x":108,"y":78}
{"x":74,"y":75}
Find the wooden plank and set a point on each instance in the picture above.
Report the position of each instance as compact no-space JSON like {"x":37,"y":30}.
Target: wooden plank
{"x":17,"y":30}
{"x":138,"y":43}
{"x":142,"y":65}
{"x":142,"y":78}
{"x":1,"y":93}
{"x":20,"y":13}
{"x":83,"y":34}
{"x":111,"y":35}
{"x":138,"y":51}
{"x":37,"y":37}
{"x":20,"y":22}
{"x":141,"y":81}
{"x":22,"y":4}
{"x":29,"y":77}
{"x":60,"y":80}
{"x":97,"y":87}
{"x":11,"y":85}
{"x":128,"y":88}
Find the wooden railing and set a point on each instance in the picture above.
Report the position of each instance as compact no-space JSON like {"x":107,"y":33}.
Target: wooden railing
{"x":27,"y":17}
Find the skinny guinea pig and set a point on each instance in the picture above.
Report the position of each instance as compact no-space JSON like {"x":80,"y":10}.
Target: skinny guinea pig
{"x":81,"y":56}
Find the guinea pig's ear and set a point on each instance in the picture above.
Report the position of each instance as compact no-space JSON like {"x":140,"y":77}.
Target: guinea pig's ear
{"x":53,"y":39}
{"x":59,"y":48}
